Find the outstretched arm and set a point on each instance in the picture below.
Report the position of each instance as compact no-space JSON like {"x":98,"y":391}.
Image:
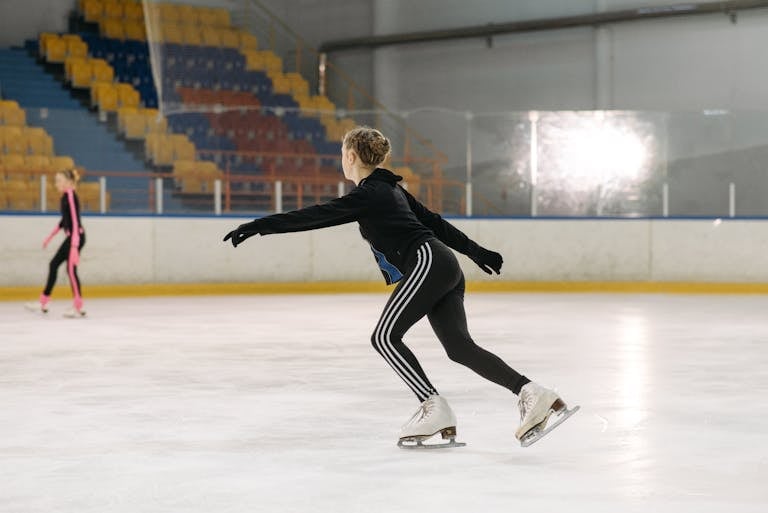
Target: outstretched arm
{"x":51,"y":235}
{"x":454,"y":238}
{"x":346,"y":209}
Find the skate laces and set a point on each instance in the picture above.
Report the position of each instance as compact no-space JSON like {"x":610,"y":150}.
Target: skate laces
{"x":526,"y":402}
{"x":425,"y":410}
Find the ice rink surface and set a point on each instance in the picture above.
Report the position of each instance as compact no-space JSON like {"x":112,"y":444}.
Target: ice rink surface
{"x":280,"y":404}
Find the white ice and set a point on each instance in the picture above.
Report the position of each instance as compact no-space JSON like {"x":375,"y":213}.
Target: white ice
{"x":280,"y":404}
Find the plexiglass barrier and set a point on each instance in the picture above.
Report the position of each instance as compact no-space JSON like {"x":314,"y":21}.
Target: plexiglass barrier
{"x":254,"y":159}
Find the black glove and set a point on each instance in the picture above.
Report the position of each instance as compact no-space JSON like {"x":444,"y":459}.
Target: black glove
{"x":487,"y":260}
{"x":241,"y":233}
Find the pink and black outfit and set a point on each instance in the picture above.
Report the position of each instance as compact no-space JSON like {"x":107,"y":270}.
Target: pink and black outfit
{"x":69,"y":251}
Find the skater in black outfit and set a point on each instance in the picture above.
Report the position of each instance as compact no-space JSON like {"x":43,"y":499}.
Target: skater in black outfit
{"x":69,"y":251}
{"x":411,"y":246}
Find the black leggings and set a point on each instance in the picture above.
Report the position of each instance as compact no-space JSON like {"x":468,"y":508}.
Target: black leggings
{"x":433,"y":285}
{"x":61,"y":256}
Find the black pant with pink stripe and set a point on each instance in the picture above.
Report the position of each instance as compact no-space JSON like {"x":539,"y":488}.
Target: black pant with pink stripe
{"x":61,"y":256}
{"x":433,"y":285}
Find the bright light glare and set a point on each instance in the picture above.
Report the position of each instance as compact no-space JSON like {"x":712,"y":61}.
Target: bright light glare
{"x":597,"y":151}
{"x":602,"y":153}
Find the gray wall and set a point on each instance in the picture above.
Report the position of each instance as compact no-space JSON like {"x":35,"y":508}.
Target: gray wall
{"x":25,"y":19}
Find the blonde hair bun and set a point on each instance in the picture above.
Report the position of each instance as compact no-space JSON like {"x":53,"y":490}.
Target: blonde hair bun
{"x":369,"y":144}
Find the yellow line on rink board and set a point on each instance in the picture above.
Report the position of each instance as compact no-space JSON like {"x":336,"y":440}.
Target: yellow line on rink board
{"x":350,"y":287}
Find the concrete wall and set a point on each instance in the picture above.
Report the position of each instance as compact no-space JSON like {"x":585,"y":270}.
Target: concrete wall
{"x":25,"y":19}
{"x":131,"y":250}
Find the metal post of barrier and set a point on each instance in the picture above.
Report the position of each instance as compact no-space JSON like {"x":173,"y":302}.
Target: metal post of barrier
{"x":533,"y":117}
{"x":278,"y":196}
{"x":469,"y":199}
{"x":103,"y":194}
{"x":217,"y":197}
{"x":665,"y":200}
{"x":158,"y":195}
{"x":43,"y":195}
{"x":732,"y":199}
{"x":468,"y":116}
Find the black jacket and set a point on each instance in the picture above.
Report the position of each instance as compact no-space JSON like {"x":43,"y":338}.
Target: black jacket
{"x":391,"y":220}
{"x":70,"y":204}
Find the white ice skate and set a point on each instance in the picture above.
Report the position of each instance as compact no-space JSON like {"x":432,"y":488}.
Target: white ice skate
{"x":35,"y":306}
{"x":433,"y":416}
{"x":536,"y":405}
{"x":73,"y":313}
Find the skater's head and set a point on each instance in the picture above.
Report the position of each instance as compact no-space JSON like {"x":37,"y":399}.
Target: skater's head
{"x":363,"y":149}
{"x":67,"y":179}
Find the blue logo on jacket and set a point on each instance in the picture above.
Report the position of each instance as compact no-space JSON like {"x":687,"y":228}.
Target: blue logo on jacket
{"x":391,"y":273}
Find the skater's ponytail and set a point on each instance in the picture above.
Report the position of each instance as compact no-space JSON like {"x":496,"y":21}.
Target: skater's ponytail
{"x":369,"y":144}
{"x":71,"y":174}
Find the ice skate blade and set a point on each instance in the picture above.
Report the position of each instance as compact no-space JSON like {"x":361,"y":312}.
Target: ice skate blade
{"x":417,"y":442}
{"x":408,"y":443}
{"x":537,"y":432}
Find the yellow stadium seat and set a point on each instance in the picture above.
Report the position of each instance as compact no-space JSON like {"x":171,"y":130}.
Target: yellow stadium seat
{"x":127,"y":96}
{"x":80,"y":73}
{"x":104,"y":95}
{"x":23,"y":200}
{"x":191,"y":35}
{"x":280,"y":83}
{"x":248,"y":41}
{"x":220,"y":18}
{"x":11,"y":114}
{"x":183,"y":148}
{"x":39,"y":142}
{"x":188,"y":15}
{"x":55,"y":50}
{"x":7,"y":133}
{"x":112,"y":28}
{"x":77,"y":48}
{"x":159,"y":149}
{"x":43,"y":41}
{"x":12,"y":162}
{"x":96,"y":89}
{"x":61,"y":163}
{"x":206,"y":16}
{"x":171,"y":33}
{"x":9,"y":104}
{"x":122,"y":113}
{"x":169,"y":12}
{"x":15,"y":142}
{"x":299,"y":86}
{"x":3,"y":199}
{"x":229,"y":38}
{"x":210,"y":36}
{"x":134,"y":126}
{"x":133,"y":11}
{"x":154,"y":123}
{"x":113,"y":9}
{"x":39,"y":164}
{"x":135,"y":30}
{"x":68,"y":63}
{"x":101,"y":71}
{"x":92,"y":10}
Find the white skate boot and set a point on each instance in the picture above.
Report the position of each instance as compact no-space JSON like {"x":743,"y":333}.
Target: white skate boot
{"x":536,"y":405}
{"x":34,"y":306}
{"x":433,"y":416}
{"x":74,"y":313}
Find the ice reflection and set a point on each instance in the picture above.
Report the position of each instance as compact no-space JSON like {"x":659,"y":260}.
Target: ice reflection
{"x":633,"y":346}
